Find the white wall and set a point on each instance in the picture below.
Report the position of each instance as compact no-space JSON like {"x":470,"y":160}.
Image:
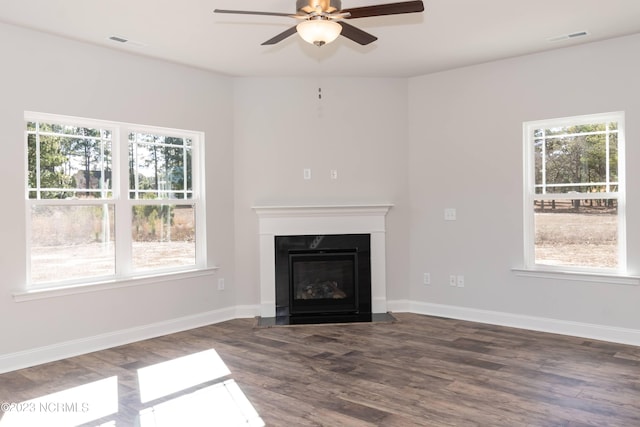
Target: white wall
{"x":359,"y":128}
{"x":48,"y":74}
{"x":465,"y":133}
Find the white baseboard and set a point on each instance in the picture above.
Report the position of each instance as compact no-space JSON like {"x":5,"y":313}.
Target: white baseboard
{"x":24,"y":359}
{"x":399,"y":306}
{"x":246,"y":311}
{"x":555,"y":326}
{"x":37,"y":356}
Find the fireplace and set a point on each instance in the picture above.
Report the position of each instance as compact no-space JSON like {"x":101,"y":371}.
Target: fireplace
{"x":316,"y":221}
{"x":322,"y":278}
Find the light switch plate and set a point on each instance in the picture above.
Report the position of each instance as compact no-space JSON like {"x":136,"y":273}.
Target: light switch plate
{"x":450,"y":214}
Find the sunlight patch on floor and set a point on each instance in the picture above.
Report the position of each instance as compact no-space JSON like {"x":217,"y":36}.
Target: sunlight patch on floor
{"x":222,"y":404}
{"x":70,"y":407}
{"x":179,"y":374}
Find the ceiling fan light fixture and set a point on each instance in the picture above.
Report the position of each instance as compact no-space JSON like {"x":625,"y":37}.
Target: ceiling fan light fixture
{"x":319,"y":31}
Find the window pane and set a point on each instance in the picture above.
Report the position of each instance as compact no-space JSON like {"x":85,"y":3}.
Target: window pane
{"x":567,"y":156}
{"x":576,"y":232}
{"x":567,"y":161}
{"x":557,"y":130}
{"x":61,"y":167}
{"x":32,"y":171}
{"x":189,"y":176}
{"x":613,"y":156}
{"x":88,"y":165}
{"x":163,"y":236}
{"x":71,"y":242}
{"x":160,"y":167}
{"x":537,"y":156}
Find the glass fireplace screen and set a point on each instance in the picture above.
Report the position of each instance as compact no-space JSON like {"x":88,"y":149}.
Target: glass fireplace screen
{"x":327,"y":277}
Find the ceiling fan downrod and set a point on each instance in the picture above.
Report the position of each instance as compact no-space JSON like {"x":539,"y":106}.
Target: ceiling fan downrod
{"x":327,"y":6}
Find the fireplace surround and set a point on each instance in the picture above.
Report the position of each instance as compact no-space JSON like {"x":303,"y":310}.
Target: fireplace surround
{"x":326,"y":220}
{"x":322,"y":278}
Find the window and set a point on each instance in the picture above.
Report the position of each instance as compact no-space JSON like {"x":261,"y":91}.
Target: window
{"x":574,"y":193}
{"x":109,"y":200}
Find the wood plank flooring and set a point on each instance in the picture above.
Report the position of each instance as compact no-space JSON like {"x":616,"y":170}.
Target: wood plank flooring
{"x":418,"y":371}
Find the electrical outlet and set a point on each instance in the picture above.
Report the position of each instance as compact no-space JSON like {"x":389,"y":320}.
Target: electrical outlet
{"x":453,"y":280}
{"x":460,"y":281}
{"x":306,"y":173}
{"x":427,"y":279}
{"x":221,"y":284}
{"x":334,"y":174}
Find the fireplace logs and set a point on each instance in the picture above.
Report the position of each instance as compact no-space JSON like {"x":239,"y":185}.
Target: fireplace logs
{"x":324,"y":289}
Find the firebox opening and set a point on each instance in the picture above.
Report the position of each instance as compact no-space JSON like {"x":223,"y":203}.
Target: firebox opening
{"x":323,"y":281}
{"x":323,"y":278}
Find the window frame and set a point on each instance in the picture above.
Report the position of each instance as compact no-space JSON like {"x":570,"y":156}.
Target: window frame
{"x":529,"y":191}
{"x":122,"y":202}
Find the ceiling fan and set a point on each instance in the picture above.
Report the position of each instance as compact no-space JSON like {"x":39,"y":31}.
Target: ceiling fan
{"x":322,"y":20}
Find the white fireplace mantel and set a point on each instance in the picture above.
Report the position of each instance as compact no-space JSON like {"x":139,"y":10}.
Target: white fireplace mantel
{"x":327,"y":219}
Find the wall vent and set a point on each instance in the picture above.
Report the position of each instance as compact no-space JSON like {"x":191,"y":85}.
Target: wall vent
{"x":128,"y":42}
{"x":118,"y":39}
{"x":575,"y":35}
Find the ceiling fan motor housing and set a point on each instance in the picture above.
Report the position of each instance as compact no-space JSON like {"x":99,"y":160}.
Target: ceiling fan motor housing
{"x":327,"y":6}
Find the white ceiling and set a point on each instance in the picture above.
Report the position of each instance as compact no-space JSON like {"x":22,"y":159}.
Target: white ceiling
{"x":449,"y":34}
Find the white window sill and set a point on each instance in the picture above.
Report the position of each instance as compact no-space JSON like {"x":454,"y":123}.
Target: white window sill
{"x":53,"y":292}
{"x":616,"y":279}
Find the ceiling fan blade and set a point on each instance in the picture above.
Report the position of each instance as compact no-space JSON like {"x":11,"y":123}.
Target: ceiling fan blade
{"x":283,"y":35}
{"x":356,"y":34}
{"x":385,"y":9}
{"x":249,"y":12}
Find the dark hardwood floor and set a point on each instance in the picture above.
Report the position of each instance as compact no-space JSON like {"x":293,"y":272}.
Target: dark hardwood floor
{"x":418,"y":371}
